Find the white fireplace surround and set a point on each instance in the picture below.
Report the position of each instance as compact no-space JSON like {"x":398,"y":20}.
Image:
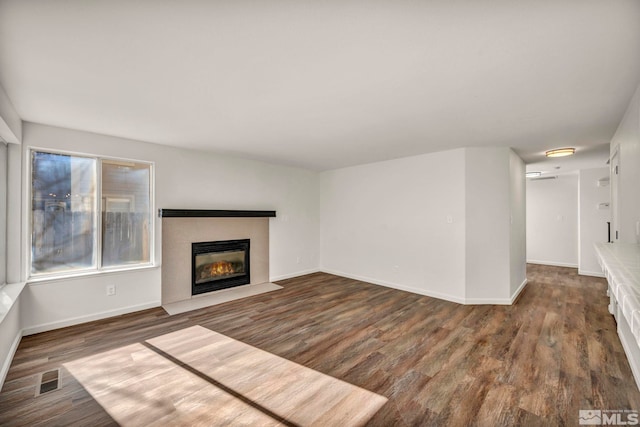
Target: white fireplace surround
{"x":178,"y":233}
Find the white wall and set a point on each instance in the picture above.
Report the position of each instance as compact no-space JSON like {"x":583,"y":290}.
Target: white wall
{"x":592,"y":219}
{"x":563,"y":220}
{"x":184,"y":179}
{"x":386,"y":223}
{"x":10,"y":326}
{"x":488,"y":211}
{"x":10,"y":122}
{"x":3,"y":212}
{"x":436,"y":224}
{"x":518,"y":220}
{"x":552,"y":221}
{"x":15,"y":217}
{"x":495,"y":226}
{"x":626,"y":142}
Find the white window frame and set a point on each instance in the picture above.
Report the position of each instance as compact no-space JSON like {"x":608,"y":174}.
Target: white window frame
{"x":5,"y":205}
{"x":98,"y":269}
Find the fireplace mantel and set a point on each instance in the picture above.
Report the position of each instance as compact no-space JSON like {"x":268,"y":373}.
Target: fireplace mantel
{"x":206,"y":213}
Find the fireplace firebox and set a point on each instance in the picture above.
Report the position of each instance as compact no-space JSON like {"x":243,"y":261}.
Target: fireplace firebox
{"x":219,"y":265}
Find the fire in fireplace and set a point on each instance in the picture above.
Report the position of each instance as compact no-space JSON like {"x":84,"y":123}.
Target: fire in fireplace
{"x":219,"y":265}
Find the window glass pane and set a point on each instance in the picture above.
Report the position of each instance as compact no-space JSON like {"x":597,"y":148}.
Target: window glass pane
{"x":63,"y":217}
{"x":3,"y":213}
{"x":126,"y":213}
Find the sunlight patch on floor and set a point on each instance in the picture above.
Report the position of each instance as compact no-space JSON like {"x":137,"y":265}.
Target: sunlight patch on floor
{"x":197,"y":376}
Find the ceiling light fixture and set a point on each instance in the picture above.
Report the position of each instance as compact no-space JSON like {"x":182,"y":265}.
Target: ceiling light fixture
{"x":532,"y":174}
{"x":560,"y":152}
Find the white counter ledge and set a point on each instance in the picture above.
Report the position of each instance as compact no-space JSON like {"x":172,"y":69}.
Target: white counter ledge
{"x":620,"y":264}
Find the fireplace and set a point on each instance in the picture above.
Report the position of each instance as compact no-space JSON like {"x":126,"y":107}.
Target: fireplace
{"x":219,"y":265}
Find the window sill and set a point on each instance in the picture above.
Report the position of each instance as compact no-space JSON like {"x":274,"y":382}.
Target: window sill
{"x":34,"y":281}
{"x":9,"y":294}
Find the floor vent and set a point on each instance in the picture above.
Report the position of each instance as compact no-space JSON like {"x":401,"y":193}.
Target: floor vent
{"x":48,"y":381}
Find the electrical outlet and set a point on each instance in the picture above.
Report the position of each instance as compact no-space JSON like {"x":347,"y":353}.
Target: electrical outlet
{"x":111,"y":290}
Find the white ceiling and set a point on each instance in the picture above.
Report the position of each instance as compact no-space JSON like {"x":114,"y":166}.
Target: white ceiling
{"x":326,"y":84}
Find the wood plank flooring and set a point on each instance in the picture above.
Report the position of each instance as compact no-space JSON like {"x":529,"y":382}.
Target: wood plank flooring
{"x":534,"y":363}
{"x":177,"y":378}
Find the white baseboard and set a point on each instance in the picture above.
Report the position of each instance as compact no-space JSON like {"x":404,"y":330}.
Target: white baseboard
{"x":516,"y":294}
{"x":292,"y":275}
{"x":439,"y":295}
{"x":497,"y":301}
{"x":7,"y":362}
{"x":432,"y":294}
{"x":89,"y":318}
{"x":591,"y":273}
{"x":552,"y":263}
{"x":487,"y":301}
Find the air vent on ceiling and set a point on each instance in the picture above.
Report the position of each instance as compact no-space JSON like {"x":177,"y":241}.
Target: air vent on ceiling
{"x":543,"y":178}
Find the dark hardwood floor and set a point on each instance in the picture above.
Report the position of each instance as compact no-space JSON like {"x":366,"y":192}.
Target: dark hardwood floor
{"x":439,"y":363}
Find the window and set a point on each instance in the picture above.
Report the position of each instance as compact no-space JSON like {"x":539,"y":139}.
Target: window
{"x":67,"y":233}
{"x":125,"y":213}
